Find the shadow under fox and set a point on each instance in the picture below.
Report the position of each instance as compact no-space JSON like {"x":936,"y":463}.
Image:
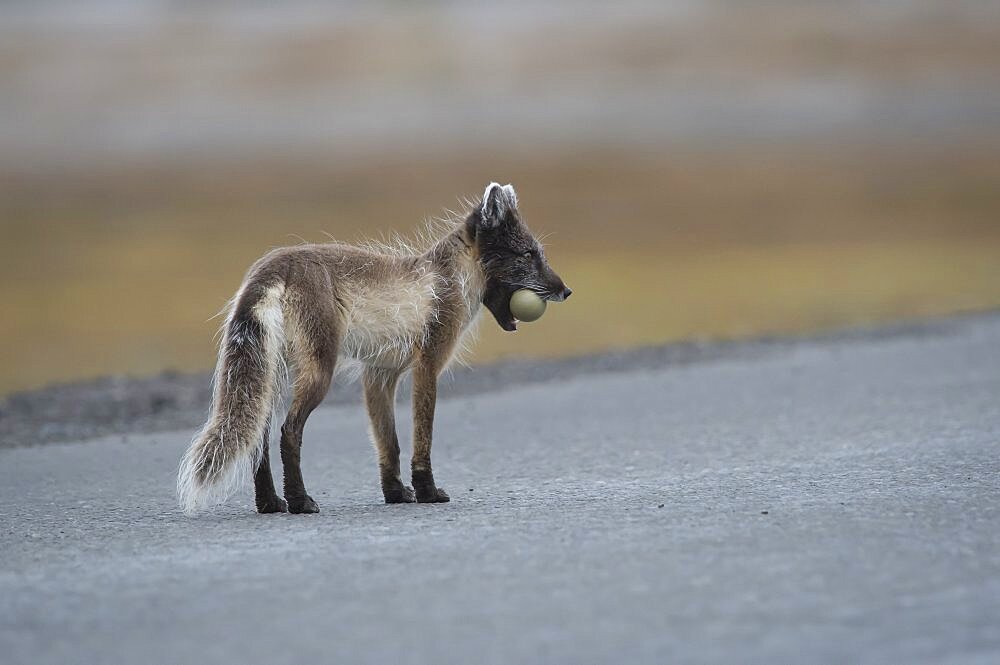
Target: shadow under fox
{"x":301,"y":310}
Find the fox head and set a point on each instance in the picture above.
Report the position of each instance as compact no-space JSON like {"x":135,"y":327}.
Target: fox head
{"x":510,"y":256}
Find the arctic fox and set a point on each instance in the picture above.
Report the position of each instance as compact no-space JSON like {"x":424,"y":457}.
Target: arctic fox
{"x":301,"y":309}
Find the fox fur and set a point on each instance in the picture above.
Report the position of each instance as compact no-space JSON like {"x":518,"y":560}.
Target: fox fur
{"x":303,"y":310}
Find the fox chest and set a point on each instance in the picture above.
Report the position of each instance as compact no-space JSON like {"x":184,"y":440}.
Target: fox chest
{"x":383,"y":325}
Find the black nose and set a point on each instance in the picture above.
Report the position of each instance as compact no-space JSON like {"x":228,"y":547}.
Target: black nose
{"x":567,"y":292}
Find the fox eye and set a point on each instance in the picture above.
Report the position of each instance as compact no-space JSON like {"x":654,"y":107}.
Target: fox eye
{"x":528,"y":254}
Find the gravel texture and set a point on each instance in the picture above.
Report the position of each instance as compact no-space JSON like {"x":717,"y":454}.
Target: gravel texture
{"x":824,"y":500}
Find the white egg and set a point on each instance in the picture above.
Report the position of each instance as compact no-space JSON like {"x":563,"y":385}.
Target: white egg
{"x":526,"y":305}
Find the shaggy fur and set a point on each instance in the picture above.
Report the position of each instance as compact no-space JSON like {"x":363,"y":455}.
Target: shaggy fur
{"x":380,"y":310}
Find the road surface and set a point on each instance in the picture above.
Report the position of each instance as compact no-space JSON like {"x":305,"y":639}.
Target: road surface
{"x":827,"y":501}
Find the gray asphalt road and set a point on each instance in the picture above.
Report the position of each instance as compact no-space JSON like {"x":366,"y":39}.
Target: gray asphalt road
{"x":828,"y":501}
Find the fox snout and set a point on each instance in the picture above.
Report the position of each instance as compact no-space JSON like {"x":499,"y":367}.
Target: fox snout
{"x":556,"y":289}
{"x":559,"y":295}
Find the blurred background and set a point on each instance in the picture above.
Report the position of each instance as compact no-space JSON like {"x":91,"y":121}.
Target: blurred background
{"x":702,"y":168}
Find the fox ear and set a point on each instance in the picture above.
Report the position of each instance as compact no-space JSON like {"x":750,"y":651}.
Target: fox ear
{"x":498,"y":201}
{"x":511,"y":195}
{"x":492,"y":211}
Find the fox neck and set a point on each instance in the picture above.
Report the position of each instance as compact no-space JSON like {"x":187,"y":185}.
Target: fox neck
{"x":457,"y":257}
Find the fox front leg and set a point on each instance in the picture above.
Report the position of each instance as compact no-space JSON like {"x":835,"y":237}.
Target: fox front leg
{"x":380,"y":394}
{"x":424,"y":400}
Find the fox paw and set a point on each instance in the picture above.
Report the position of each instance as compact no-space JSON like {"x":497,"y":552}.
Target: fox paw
{"x":399,"y":494}
{"x":305,"y":504}
{"x":433,"y":495}
{"x":273,"y":504}
{"x":426,"y":490}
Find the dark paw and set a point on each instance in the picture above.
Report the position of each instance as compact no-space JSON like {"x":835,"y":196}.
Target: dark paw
{"x":399,"y":494}
{"x":302,"y":505}
{"x":432,"y":495}
{"x":426,"y":490}
{"x":272,"y":505}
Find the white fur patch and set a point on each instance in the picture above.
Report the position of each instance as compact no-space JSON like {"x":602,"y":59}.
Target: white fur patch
{"x":385,"y":320}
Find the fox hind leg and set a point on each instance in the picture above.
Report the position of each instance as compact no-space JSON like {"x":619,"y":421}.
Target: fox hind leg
{"x":267,"y":499}
{"x":310,"y":388}
{"x":313,"y":354}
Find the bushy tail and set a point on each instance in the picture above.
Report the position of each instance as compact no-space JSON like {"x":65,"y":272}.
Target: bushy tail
{"x":224,"y":454}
